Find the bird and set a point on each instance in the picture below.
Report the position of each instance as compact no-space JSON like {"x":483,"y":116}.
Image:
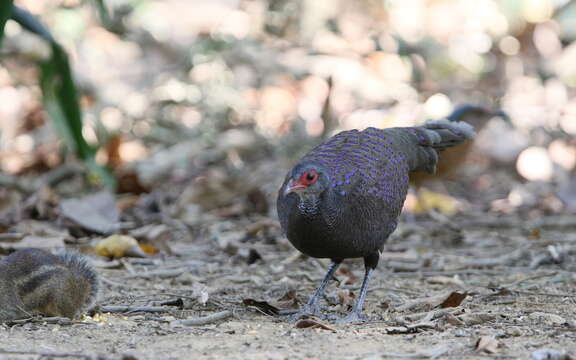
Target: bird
{"x":343,"y":198}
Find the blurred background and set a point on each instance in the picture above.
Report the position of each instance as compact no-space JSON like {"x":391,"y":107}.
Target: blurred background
{"x":209,"y":102}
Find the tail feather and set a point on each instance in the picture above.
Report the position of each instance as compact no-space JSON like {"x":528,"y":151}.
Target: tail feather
{"x":435,"y":136}
{"x":477,"y":116}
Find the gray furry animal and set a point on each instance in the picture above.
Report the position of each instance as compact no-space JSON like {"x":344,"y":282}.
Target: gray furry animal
{"x":35,"y":282}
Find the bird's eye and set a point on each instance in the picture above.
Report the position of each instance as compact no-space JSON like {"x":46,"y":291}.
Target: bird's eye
{"x":309,"y":177}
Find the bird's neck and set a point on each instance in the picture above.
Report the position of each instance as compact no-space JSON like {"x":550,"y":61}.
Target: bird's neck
{"x":309,"y":204}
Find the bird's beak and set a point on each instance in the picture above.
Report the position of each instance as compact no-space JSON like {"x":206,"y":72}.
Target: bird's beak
{"x":293,"y":186}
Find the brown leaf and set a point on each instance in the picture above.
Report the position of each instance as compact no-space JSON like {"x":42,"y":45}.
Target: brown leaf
{"x":487,"y":344}
{"x":311,"y":323}
{"x":424,"y":303}
{"x":262,"y":306}
{"x":453,"y":300}
{"x":129,"y":182}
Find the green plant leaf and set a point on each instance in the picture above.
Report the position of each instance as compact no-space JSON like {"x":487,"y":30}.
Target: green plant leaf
{"x":5,"y":14}
{"x":60,"y":97}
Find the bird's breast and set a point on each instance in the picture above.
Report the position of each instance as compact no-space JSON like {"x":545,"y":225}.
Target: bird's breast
{"x":321,"y":237}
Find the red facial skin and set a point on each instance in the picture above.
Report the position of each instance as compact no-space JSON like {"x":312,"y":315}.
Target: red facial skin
{"x":308,"y":178}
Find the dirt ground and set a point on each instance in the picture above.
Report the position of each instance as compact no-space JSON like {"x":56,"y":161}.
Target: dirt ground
{"x":516,"y":278}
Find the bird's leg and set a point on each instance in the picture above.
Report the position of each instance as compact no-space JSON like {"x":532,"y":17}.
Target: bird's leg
{"x":370,"y":262}
{"x":312,"y":307}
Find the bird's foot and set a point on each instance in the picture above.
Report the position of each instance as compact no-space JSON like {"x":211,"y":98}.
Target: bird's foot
{"x":354,"y":316}
{"x":306,"y":311}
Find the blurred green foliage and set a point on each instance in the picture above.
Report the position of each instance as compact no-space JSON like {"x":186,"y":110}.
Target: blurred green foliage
{"x":60,"y":96}
{"x":5,"y":13}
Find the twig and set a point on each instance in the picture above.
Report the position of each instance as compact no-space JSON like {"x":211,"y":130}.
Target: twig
{"x":547,"y":223}
{"x":117,"y":284}
{"x":534,"y":277}
{"x":163,"y":274}
{"x":430,"y":315}
{"x":126,"y":308}
{"x":47,"y":320}
{"x":205,"y":320}
{"x":505,"y":259}
{"x":398,"y":266}
{"x":11,"y":237}
{"x":464,"y":272}
{"x":542,"y":294}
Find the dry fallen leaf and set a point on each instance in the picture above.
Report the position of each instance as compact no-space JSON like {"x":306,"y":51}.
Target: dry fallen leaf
{"x":428,"y":200}
{"x":96,"y":212}
{"x":429,"y":302}
{"x":453,"y":300}
{"x":117,"y":246}
{"x":311,"y":323}
{"x":262,"y":306}
{"x":487,"y":344}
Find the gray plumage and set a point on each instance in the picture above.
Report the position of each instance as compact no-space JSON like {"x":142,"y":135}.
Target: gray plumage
{"x":343,"y":198}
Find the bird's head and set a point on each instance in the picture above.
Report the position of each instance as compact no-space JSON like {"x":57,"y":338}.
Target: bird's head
{"x":307,"y":180}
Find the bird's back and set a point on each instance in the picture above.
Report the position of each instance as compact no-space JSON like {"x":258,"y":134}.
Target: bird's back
{"x":363,"y":164}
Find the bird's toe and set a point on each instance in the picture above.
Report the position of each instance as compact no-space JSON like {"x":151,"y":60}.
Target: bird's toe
{"x":305,"y":312}
{"x":352,"y":318}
